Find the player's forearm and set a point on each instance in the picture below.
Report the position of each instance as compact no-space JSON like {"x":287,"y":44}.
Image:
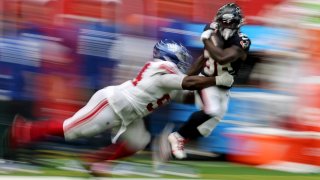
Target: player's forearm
{"x":197,"y":66}
{"x":197,"y":82}
{"x":224,"y":56}
{"x":215,"y":52}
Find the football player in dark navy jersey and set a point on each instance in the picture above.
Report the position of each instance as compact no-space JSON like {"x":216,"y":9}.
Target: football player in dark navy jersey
{"x":238,"y":44}
{"x":225,"y":49}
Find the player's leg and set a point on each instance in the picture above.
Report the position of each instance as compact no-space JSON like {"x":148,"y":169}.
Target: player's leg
{"x":206,"y":128}
{"x":24,"y":131}
{"x":135,"y":138}
{"x":200,"y":123}
{"x":187,"y":131}
{"x":93,"y":118}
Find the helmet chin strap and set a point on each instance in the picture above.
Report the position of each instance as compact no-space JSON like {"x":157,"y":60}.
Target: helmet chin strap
{"x":226,"y":33}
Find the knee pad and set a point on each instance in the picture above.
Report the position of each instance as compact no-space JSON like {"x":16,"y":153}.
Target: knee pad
{"x":138,"y":142}
{"x":207,"y":127}
{"x":136,"y":135}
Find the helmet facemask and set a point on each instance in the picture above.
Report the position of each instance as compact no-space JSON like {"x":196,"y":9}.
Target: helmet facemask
{"x":228,"y":28}
{"x":229,"y":20}
{"x":226,"y":33}
{"x":185,"y":60}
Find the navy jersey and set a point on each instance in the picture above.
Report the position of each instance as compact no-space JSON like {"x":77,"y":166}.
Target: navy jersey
{"x":238,"y":39}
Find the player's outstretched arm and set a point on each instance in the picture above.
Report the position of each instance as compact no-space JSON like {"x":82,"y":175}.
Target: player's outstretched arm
{"x":200,"y":82}
{"x":197,"y":66}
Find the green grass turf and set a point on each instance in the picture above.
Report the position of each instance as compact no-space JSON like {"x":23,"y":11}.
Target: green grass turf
{"x":205,"y":169}
{"x":231,"y":171}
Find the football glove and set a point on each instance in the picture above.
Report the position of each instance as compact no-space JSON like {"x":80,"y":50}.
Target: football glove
{"x":224,"y":80}
{"x":206,"y":34}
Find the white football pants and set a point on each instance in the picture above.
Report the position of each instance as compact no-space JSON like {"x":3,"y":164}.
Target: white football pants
{"x":97,"y":116}
{"x":214,"y":102}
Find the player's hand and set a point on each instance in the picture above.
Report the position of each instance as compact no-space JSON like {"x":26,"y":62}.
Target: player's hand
{"x":206,"y":34}
{"x":224,"y":80}
{"x":213,"y":25}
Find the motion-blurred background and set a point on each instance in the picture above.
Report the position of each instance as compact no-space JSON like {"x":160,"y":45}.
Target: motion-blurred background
{"x":55,"y":53}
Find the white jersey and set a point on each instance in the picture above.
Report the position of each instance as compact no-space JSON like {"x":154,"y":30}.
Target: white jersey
{"x":152,"y":88}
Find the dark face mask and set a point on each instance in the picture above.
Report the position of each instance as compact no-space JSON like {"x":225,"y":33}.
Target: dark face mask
{"x":228,"y":27}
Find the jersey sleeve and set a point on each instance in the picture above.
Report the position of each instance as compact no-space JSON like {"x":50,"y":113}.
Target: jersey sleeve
{"x":242,"y":41}
{"x":171,"y":81}
{"x":171,"y":77}
{"x":168,"y":67}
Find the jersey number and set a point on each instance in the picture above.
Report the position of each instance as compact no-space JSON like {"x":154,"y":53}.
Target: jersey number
{"x":210,"y":67}
{"x":165,"y":98}
{"x":139,"y":76}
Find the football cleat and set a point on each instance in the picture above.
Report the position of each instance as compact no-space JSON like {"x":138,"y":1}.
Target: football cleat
{"x":20,"y":132}
{"x":177,"y":145}
{"x":161,"y":150}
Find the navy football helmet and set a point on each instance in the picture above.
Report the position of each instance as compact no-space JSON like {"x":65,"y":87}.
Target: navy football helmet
{"x":169,"y":50}
{"x":229,"y":19}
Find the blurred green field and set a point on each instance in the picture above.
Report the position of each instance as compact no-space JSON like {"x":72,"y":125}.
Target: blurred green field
{"x":140,"y":167}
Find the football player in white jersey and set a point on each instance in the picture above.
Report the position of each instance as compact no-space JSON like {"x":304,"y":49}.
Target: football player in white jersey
{"x":225,"y":50}
{"x":124,"y":106}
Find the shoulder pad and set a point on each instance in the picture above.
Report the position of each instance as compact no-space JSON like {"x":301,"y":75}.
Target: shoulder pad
{"x":242,"y":40}
{"x":168,"y":67}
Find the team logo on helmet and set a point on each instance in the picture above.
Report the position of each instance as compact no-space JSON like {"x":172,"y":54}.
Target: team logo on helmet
{"x":169,"y":50}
